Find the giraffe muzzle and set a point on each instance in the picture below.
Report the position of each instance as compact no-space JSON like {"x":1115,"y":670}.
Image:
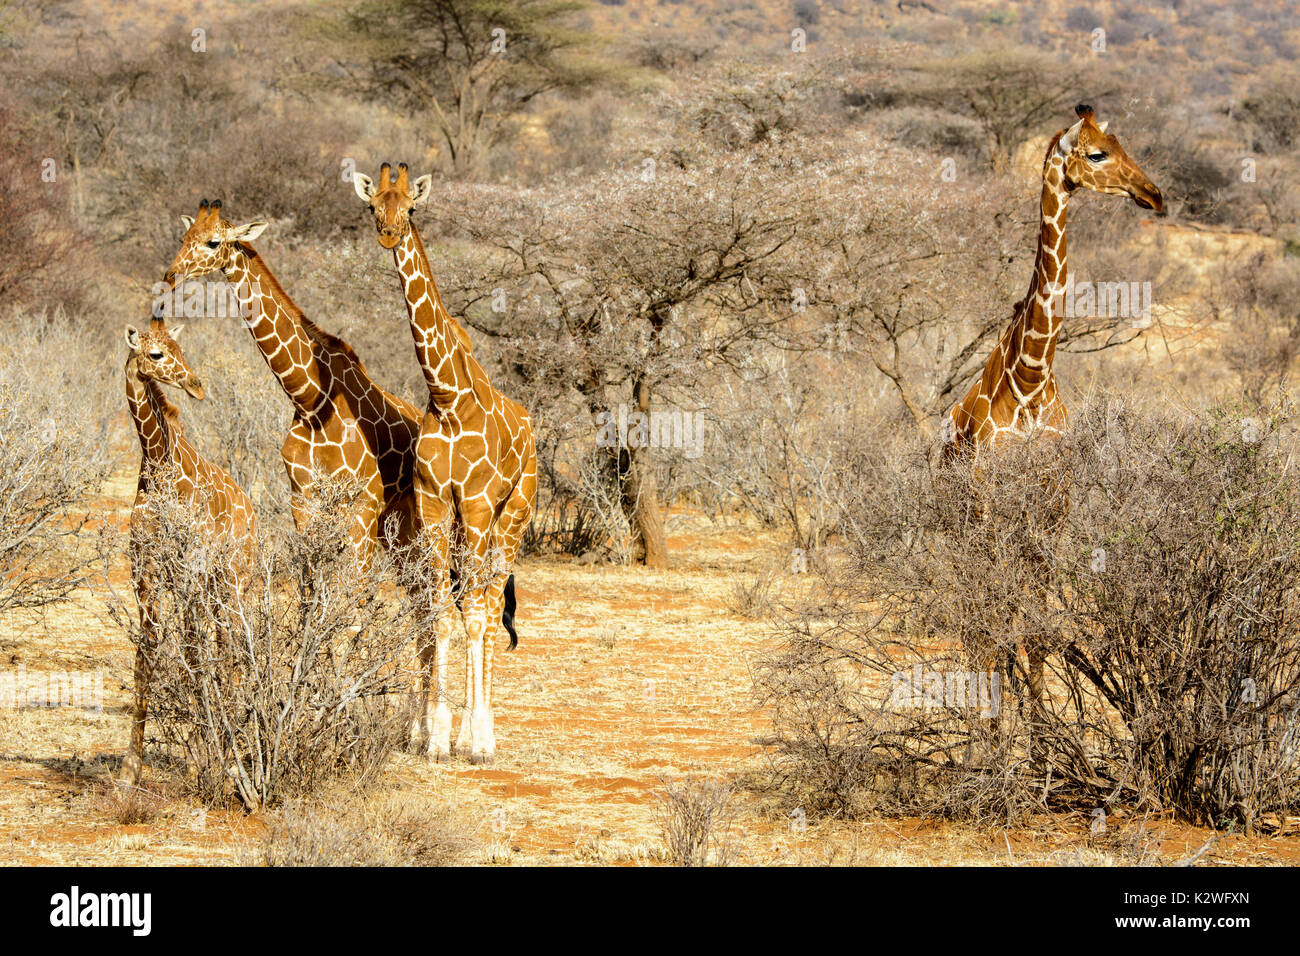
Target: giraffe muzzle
{"x":1148,"y":197}
{"x":193,"y":388}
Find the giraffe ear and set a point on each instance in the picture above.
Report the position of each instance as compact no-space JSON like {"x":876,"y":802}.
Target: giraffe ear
{"x":1102,"y":126}
{"x":187,"y":221}
{"x":421,"y":188}
{"x":1070,"y":138}
{"x":133,"y":338}
{"x":176,"y":331}
{"x":247,"y":232}
{"x":364,"y":185}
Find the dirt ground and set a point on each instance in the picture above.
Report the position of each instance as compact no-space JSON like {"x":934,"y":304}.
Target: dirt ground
{"x":624,"y":679}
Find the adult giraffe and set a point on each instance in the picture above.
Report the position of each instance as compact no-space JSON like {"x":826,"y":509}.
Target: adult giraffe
{"x":475,"y":471}
{"x":167,"y":459}
{"x":1017,"y":394}
{"x":344,"y":424}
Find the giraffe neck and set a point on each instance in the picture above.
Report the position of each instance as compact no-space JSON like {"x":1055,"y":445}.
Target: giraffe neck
{"x":280,"y":330}
{"x":152,"y":413}
{"x":440,"y":343}
{"x":1038,"y":324}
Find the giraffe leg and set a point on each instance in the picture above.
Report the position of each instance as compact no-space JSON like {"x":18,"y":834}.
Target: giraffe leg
{"x":482,"y":740}
{"x":1036,"y":692}
{"x":133,"y":759}
{"x":465,"y":739}
{"x":418,"y":735}
{"x":438,"y":710}
{"x":435,"y":709}
{"x":498,"y":563}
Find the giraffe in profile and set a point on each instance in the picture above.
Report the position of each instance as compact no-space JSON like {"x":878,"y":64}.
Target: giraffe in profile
{"x":475,"y":473}
{"x":1016,"y":394}
{"x":344,"y":424}
{"x":168,"y":461}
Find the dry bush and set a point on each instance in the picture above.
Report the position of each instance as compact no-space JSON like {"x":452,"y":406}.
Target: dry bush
{"x":53,"y":424}
{"x":129,"y":806}
{"x":695,"y":818}
{"x":126,"y":122}
{"x":752,"y":595}
{"x":44,"y":252}
{"x":279,"y":671}
{"x":355,"y":831}
{"x":1151,"y":555}
{"x":1257,"y":298}
{"x":1272,"y":114}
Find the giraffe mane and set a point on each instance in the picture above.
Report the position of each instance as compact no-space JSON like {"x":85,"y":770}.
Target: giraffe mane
{"x":325,"y":339}
{"x":1051,"y":147}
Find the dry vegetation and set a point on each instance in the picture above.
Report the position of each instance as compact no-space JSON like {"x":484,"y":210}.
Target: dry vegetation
{"x":802,"y":258}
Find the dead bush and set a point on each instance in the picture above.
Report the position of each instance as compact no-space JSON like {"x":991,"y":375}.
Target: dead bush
{"x":278,"y":671}
{"x":751,"y":595}
{"x":130,"y":806}
{"x":695,"y":818}
{"x":1150,"y":556}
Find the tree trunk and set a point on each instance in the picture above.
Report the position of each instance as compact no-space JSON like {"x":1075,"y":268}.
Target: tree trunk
{"x":640,"y":491}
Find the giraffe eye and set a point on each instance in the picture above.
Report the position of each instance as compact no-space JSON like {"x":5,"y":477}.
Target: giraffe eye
{"x":1096,"y":157}
{"x":156,"y":355}
{"x":214,"y":243}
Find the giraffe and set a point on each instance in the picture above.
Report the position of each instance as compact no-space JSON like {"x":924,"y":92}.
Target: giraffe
{"x":344,"y":424}
{"x":476,"y":472}
{"x":154,"y":358}
{"x":1016,"y":394}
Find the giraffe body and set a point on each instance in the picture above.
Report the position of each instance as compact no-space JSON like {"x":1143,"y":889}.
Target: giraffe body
{"x":475,"y":475}
{"x":168,"y":459}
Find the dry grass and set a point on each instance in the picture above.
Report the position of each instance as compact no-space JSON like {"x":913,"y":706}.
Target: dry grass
{"x":384,"y":830}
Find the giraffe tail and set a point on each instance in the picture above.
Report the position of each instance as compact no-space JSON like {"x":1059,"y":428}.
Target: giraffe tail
{"x":508,"y":612}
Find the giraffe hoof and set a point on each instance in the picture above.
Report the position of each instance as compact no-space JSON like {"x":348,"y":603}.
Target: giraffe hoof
{"x":438,"y":754}
{"x":481,"y":760}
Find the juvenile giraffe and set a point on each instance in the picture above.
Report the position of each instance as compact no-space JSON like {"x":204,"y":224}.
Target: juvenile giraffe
{"x":344,"y":424}
{"x":167,"y":458}
{"x":1016,"y":395}
{"x":475,"y":473}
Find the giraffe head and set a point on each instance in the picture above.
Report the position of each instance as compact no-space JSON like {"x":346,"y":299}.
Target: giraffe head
{"x":392,"y":201}
{"x":1095,"y":160}
{"x":208,"y":243}
{"x":159,"y":359}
